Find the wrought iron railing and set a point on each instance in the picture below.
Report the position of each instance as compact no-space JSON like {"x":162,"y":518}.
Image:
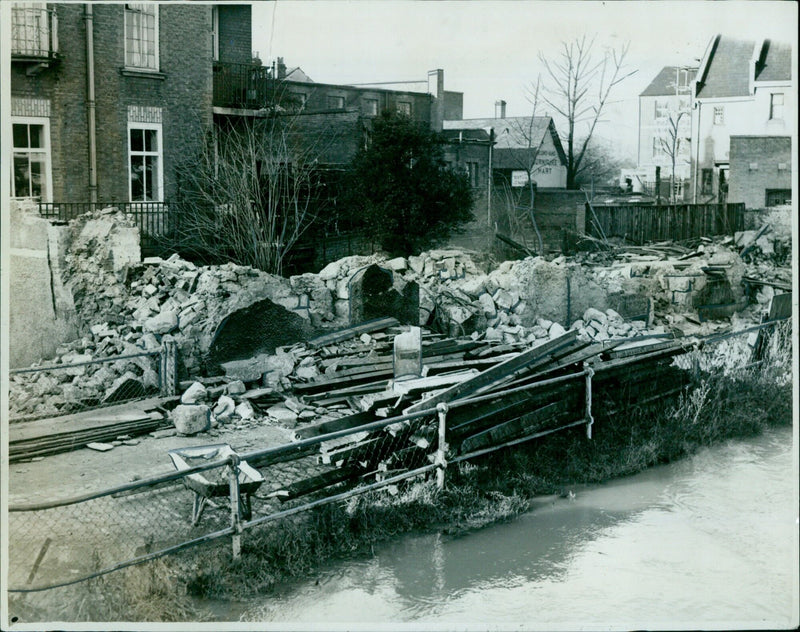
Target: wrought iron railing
{"x":245,"y":86}
{"x":154,"y":219}
{"x":34,"y":31}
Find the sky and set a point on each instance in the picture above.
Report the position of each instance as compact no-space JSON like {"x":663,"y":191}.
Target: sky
{"x":489,"y":48}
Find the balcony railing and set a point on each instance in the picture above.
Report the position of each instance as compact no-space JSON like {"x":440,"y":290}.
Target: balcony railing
{"x":245,"y":86}
{"x":34,"y":31}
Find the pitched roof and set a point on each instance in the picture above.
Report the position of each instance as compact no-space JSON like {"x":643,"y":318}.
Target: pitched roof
{"x":297,"y":74}
{"x":731,"y":64}
{"x":776,"y":64}
{"x":727,"y":72}
{"x":467,"y":135}
{"x":666,"y":81}
{"x":514,"y":132}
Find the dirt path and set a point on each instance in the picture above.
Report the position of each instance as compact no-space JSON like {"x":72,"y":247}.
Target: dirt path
{"x":59,"y":544}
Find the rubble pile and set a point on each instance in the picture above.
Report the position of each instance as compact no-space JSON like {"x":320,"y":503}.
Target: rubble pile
{"x":130,"y":306}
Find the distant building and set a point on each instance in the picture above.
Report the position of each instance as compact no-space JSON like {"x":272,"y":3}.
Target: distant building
{"x":665,"y":123}
{"x":743,"y":91}
{"x":522,"y":145}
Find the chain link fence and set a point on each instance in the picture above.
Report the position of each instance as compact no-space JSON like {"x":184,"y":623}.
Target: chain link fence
{"x":87,"y":383}
{"x":215,"y":493}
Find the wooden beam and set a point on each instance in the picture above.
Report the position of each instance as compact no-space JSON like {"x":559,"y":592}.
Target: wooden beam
{"x":376,"y":324}
{"x":497,"y":374}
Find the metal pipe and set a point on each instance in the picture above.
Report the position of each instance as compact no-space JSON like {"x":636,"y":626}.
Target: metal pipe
{"x":696,"y":153}
{"x":88,"y":17}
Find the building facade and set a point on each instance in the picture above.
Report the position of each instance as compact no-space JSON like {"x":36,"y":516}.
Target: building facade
{"x":107,"y":99}
{"x":742,"y":89}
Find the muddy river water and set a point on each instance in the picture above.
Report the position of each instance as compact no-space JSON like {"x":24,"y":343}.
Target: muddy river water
{"x":710,"y":541}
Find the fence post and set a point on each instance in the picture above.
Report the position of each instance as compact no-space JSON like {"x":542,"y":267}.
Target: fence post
{"x":589,"y":419}
{"x":236,"y":523}
{"x":441,"y":461}
{"x":169,"y":366}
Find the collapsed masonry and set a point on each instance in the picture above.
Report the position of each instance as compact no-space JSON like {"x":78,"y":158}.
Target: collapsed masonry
{"x":241,"y":322}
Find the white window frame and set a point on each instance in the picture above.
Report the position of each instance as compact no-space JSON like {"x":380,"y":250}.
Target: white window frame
{"x":45,"y":122}
{"x":128,"y":63}
{"x":719,"y":115}
{"x":400,"y":105}
{"x":159,"y":153}
{"x":773,"y":115}
{"x":368,"y":103}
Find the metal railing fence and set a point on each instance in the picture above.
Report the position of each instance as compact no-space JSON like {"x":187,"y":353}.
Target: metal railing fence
{"x":156,"y":220}
{"x":68,"y":541}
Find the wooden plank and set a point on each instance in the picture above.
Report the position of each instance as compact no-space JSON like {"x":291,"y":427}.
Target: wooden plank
{"x":526,"y":424}
{"x":571,"y":394}
{"x":496,"y":374}
{"x":341,"y":335}
{"x":334,"y":425}
{"x":316,"y":483}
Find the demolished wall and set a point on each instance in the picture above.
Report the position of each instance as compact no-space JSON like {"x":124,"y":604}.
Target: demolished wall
{"x":41,"y":313}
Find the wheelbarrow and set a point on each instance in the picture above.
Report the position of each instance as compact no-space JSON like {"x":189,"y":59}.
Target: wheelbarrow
{"x":215,"y":483}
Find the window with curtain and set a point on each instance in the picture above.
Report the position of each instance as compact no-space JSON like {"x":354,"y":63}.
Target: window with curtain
{"x":31,"y":159}
{"x":141,"y":36}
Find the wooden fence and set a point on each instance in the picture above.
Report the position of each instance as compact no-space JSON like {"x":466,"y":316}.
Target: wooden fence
{"x":641,"y":224}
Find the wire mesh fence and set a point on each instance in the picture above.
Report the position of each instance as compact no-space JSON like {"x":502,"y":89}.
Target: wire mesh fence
{"x":215,"y":493}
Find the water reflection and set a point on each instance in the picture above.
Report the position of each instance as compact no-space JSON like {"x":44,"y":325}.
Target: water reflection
{"x":711,"y":538}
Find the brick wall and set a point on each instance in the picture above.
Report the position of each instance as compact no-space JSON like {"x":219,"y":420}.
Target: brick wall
{"x":333,"y":137}
{"x":182,"y":89}
{"x":316,"y":96}
{"x":754,"y":168}
{"x":235,"y":36}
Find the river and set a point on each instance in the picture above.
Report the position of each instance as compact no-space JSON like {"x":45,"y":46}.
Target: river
{"x":707,"y":542}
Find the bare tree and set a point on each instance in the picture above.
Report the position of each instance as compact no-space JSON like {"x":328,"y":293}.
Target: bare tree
{"x":252,"y":193}
{"x":580,"y":86}
{"x":524,"y":133}
{"x":671,"y":144}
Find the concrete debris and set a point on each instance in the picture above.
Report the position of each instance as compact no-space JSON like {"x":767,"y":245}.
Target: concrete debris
{"x":195,"y":394}
{"x":128,"y":306}
{"x":100,"y":447}
{"x":189,"y":419}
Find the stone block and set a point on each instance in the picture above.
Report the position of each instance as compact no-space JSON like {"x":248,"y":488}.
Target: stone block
{"x":190,"y":419}
{"x":488,"y":305}
{"x":195,"y":394}
{"x":162,"y":323}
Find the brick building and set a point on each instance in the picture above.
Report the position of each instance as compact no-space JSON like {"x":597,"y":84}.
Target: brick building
{"x":107,"y":99}
{"x":743,"y":88}
{"x":760,"y":170}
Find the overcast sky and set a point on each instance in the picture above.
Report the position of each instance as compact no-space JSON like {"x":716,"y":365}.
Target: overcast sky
{"x":488,"y":49}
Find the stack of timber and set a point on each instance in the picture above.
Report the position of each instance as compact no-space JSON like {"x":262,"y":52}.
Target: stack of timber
{"x":51,"y":436}
{"x":519,"y":397}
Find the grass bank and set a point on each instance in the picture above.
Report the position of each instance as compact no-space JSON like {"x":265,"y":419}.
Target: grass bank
{"x":714,"y":407}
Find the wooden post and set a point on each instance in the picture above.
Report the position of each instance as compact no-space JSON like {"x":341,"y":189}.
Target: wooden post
{"x":169,"y":366}
{"x":589,"y":419}
{"x":441,"y":462}
{"x":233,"y":477}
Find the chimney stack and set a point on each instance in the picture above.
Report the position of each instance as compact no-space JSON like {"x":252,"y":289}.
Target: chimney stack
{"x":436,"y":89}
{"x":500,"y":109}
{"x":281,"y":68}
